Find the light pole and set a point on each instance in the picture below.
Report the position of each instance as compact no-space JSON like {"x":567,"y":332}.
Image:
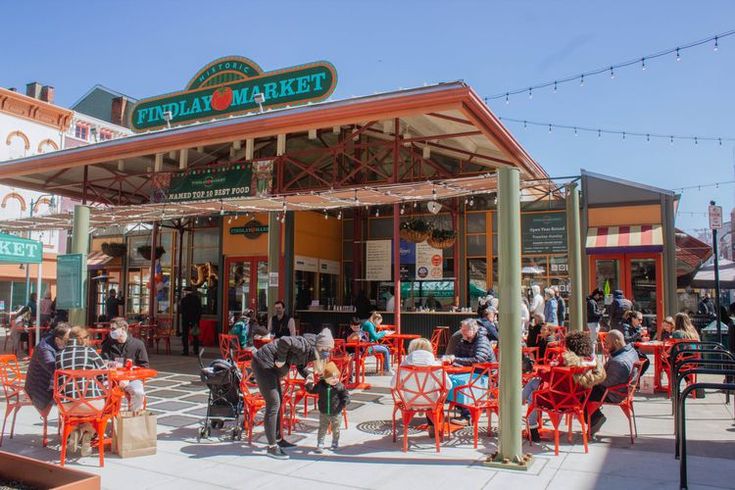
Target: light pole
{"x":51,"y":204}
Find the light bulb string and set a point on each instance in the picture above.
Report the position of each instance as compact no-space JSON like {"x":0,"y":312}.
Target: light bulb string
{"x":610,"y":68}
{"x":624,"y":133}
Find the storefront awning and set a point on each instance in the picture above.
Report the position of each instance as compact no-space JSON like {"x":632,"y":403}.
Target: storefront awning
{"x":625,"y":239}
{"x":98,"y":260}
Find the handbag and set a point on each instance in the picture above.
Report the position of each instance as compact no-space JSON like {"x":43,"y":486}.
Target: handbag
{"x":134,"y":435}
{"x":195,"y":330}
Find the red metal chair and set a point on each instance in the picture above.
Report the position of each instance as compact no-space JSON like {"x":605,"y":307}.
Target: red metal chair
{"x":229,"y":348}
{"x":339,"y":348}
{"x":420,"y":389}
{"x":560,"y":396}
{"x":344,"y":364}
{"x":479,"y":395}
{"x":253,"y":401}
{"x":626,"y":391}
{"x":552,"y":354}
{"x":163,"y":333}
{"x":15,"y":394}
{"x":439,"y":339}
{"x":83,"y":397}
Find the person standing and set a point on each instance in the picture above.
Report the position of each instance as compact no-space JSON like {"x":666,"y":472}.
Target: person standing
{"x":272,"y":362}
{"x":707,"y":307}
{"x":594,"y":313}
{"x":551,"y":307}
{"x":537,"y":302}
{"x":191,"y":313}
{"x":47,"y":309}
{"x":112,"y":305}
{"x":281,"y":324}
{"x":561,"y":305}
{"x":618,"y":307}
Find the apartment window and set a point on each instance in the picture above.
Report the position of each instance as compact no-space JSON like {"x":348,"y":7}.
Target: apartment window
{"x":81,"y":132}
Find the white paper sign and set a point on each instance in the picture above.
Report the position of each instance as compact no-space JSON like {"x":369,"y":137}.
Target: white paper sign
{"x":715,"y":217}
{"x":377,"y":267}
{"x":329,"y":267}
{"x":273,"y":276}
{"x":307,"y":264}
{"x":429,"y":262}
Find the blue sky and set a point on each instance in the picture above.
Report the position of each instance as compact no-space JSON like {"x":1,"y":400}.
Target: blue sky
{"x":144,"y":48}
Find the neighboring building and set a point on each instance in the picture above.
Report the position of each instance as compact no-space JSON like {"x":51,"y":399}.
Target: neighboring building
{"x":106,"y":105}
{"x":85,"y":130}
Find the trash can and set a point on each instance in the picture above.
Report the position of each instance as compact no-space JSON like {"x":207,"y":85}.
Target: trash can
{"x":709,"y":334}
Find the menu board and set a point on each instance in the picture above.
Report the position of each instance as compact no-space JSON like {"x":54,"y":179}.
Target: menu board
{"x":429,"y":262}
{"x":378,"y":260}
{"x":69,"y":281}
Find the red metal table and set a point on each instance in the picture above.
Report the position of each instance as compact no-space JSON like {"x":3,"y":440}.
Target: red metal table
{"x":655,"y":347}
{"x":397,"y":340}
{"x":360,"y":349}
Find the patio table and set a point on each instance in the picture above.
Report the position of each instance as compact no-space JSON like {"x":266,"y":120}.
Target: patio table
{"x":655,"y":347}
{"x":360,"y":351}
{"x":397,"y":340}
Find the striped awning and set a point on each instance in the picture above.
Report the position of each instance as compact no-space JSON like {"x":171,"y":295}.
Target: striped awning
{"x":625,"y":239}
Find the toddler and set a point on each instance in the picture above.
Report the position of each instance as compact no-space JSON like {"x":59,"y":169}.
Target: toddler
{"x":333,"y":398}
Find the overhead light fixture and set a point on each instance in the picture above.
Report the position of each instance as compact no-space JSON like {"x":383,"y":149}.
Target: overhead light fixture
{"x":259,"y":99}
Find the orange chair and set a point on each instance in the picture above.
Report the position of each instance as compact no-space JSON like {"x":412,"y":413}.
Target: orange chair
{"x":479,"y":395}
{"x":163,"y":333}
{"x":552,"y":354}
{"x":82,"y":397}
{"x":16,"y":397}
{"x":439,"y":339}
{"x":420,"y":389}
{"x":344,"y":364}
{"x":229,"y":348}
{"x":627,"y":392}
{"x":253,"y":401}
{"x":560,"y":396}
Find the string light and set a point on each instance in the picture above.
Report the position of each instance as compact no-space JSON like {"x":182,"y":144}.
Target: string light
{"x":530,"y":93}
{"x":612,"y":73}
{"x":403,"y":209}
{"x":325,"y":214}
{"x":648,"y":135}
{"x":377,"y":212}
{"x":611,"y":67}
{"x":339,"y":215}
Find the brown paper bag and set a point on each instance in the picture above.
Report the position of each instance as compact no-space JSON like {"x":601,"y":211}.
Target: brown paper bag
{"x":134,"y":435}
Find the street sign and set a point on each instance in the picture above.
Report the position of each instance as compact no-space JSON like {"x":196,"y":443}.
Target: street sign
{"x":70,"y":291}
{"x":715,"y":217}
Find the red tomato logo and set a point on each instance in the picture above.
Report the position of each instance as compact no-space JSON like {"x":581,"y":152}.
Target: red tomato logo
{"x":436,"y":260}
{"x":221,"y":98}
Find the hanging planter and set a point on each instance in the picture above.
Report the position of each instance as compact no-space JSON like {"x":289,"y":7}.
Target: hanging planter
{"x":442,"y":238}
{"x":415,"y":230}
{"x":114,"y":249}
{"x":145,"y":251}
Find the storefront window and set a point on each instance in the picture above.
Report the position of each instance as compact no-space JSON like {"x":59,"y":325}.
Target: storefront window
{"x":476,"y":223}
{"x":327,"y":289}
{"x":476,"y":245}
{"x":137,"y":297}
{"x":305,"y":284}
{"x":607,"y":276}
{"x":643,"y":283}
{"x":477,"y":275}
{"x":238,"y":288}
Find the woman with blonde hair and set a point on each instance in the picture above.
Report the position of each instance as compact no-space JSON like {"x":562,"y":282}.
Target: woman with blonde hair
{"x":683,"y":328}
{"x":665,"y":330}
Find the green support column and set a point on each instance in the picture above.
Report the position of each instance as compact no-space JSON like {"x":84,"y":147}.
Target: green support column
{"x":80,"y":245}
{"x":274,"y":258}
{"x":574,"y":246}
{"x":509,"y":257}
{"x":671,"y":300}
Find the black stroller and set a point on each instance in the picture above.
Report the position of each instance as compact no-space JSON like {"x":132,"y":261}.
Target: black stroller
{"x":225,"y":404}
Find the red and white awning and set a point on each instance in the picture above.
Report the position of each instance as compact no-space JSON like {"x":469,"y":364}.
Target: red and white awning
{"x":625,"y":239}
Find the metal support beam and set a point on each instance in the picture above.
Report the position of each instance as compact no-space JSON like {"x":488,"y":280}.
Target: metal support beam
{"x":574,"y":246}
{"x":509,"y":258}
{"x":183,"y":159}
{"x":152,"y":276}
{"x":80,"y":245}
{"x":289,"y":241}
{"x":671,"y":303}
{"x":274,"y":257}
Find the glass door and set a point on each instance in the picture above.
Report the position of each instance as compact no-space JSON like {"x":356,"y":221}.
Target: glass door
{"x":645,"y":289}
{"x":608,"y":276}
{"x":247,"y":285}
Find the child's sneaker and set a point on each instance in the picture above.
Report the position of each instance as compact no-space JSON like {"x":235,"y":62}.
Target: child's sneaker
{"x":319,"y":448}
{"x":335,"y":446}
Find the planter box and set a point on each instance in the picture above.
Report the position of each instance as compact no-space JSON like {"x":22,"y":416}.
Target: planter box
{"x":39,"y":474}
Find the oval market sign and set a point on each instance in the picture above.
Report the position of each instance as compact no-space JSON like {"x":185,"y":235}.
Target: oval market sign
{"x":228,"y":86}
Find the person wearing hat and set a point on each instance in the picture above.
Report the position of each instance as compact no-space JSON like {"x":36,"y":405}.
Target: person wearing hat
{"x":333,"y":398}
{"x":272,"y":362}
{"x":191,"y":311}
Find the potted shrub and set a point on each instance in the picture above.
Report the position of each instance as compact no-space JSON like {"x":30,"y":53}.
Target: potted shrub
{"x":415,"y":230}
{"x":145,"y":251}
{"x":114,"y":249}
{"x":442,"y":238}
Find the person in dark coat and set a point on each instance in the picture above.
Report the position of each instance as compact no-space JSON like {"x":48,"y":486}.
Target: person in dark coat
{"x":271,"y":363}
{"x":191,"y":313}
{"x":707,"y":307}
{"x":120,"y":345}
{"x":561,"y":308}
{"x":281,"y":324}
{"x":112,"y":305}
{"x":39,"y":383}
{"x":487,"y":318}
{"x":618,"y":307}
{"x":595,"y":309}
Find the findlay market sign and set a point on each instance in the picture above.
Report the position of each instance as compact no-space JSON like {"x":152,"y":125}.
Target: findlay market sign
{"x":20,"y":250}
{"x":228,"y":86}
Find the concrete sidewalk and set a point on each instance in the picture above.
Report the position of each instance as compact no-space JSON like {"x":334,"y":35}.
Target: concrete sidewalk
{"x":369,"y":459}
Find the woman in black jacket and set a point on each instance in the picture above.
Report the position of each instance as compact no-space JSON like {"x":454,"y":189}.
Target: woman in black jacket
{"x":271,"y":363}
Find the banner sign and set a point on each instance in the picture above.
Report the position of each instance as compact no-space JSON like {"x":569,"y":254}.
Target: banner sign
{"x":544,"y":233}
{"x":306,"y":264}
{"x":251,"y":230}
{"x":429,"y":262}
{"x":378,"y":260}
{"x":69,"y":276}
{"x":203,"y":184}
{"x":20,"y":250}
{"x":234,"y":85}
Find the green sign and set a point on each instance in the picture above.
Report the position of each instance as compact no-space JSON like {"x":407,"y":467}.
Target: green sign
{"x":69,"y":277}
{"x":251,"y":230}
{"x":544,"y":233}
{"x":20,"y":250}
{"x":229,"y":86}
{"x":204,"y":184}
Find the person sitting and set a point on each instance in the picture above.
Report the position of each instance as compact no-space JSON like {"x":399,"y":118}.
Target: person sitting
{"x":544,"y":338}
{"x":632,"y":333}
{"x":579,"y":352}
{"x":241,"y":328}
{"x":281,"y":324}
{"x":683,"y":328}
{"x":618,"y":368}
{"x":78,"y":355}
{"x":432,"y":303}
{"x":371,"y":326}
{"x":474,"y":348}
{"x":487,"y":318}
{"x":39,"y":383}
{"x":362,"y":335}
{"x":119,"y":346}
{"x":664,"y":332}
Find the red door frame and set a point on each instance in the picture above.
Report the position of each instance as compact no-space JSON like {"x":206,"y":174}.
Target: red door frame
{"x":252,"y":291}
{"x":625,"y":275}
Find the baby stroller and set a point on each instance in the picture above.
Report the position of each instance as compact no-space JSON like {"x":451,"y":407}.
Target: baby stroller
{"x":225,"y":404}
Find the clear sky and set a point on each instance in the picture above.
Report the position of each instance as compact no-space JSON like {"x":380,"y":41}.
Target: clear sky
{"x":145,"y":48}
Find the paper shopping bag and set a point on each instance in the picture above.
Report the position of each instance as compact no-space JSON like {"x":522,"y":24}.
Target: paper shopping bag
{"x":646,"y":385}
{"x":134,"y":435}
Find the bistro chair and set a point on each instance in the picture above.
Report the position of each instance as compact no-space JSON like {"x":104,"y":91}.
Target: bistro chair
{"x":229,"y":348}
{"x":13,"y":382}
{"x":479,"y":395}
{"x":83,"y":397}
{"x":420,"y":389}
{"x":344,"y":364}
{"x":439,"y":339}
{"x":253,"y":401}
{"x":626,"y":392}
{"x":163,"y":333}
